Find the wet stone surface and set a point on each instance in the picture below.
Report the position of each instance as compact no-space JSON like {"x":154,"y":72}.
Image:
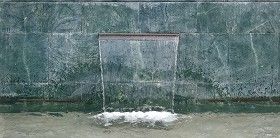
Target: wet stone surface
{"x":226,"y":49}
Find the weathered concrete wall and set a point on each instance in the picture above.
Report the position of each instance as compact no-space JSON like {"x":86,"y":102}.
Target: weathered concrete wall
{"x":50,"y":50}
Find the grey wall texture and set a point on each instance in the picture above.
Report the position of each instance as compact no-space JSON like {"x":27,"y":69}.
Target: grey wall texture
{"x":227,"y":51}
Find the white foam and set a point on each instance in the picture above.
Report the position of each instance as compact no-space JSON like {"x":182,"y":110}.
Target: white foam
{"x":151,"y":117}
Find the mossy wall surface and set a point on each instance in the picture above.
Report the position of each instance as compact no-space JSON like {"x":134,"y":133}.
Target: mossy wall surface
{"x":228,"y":51}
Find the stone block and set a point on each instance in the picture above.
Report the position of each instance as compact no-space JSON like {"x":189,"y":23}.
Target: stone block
{"x":110,"y":17}
{"x":187,"y":59}
{"x":25,"y":58}
{"x":254,"y":17}
{"x":213,"y":17}
{"x":41,"y":17}
{"x":170,"y":17}
{"x":243,"y":58}
{"x":213,"y":57}
{"x":74,"y":58}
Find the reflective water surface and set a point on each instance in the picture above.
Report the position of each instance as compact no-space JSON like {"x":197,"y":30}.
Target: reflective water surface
{"x":36,"y":125}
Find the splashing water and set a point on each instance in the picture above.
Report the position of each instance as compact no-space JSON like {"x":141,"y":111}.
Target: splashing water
{"x":149,"y":119}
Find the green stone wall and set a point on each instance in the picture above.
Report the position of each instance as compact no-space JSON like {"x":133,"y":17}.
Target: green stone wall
{"x":228,"y":50}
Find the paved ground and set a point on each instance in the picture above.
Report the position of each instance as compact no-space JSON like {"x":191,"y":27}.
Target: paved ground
{"x":79,"y":125}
